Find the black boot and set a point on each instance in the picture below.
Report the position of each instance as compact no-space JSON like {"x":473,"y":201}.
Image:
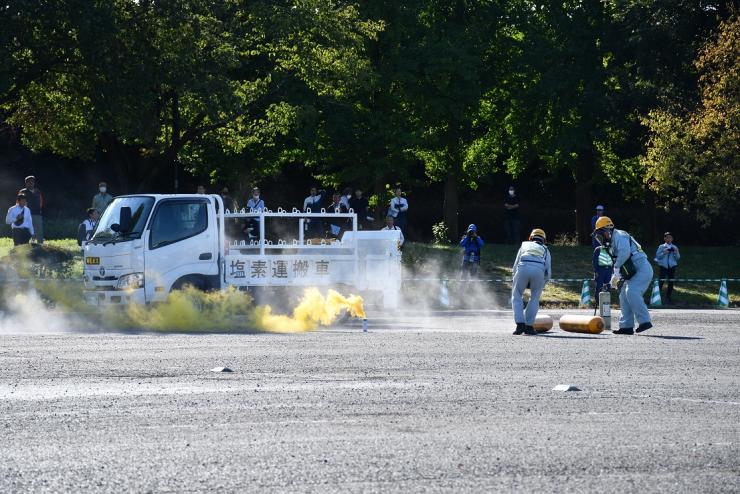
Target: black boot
{"x":644,"y":327}
{"x":519,"y":328}
{"x":529,"y":331}
{"x":624,"y":331}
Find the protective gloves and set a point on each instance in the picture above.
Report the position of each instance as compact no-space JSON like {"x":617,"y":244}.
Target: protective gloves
{"x":615,"y":279}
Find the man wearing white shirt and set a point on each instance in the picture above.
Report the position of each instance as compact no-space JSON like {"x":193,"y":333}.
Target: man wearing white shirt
{"x":346,"y":196}
{"x":390,"y":226}
{"x":20,"y":221}
{"x":254,"y":205}
{"x":86,"y":228}
{"x":398,"y":208}
{"x":314,"y":226}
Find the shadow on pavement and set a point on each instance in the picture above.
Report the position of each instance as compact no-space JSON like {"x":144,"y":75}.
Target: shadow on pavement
{"x":574,"y":337}
{"x":672,"y":337}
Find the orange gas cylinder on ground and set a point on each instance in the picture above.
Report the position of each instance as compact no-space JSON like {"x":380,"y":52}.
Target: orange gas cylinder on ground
{"x":543,"y":323}
{"x":581,"y":324}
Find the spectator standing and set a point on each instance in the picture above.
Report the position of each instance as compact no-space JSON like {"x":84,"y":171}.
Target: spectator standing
{"x":471,"y":244}
{"x":512,"y":221}
{"x":359,"y":205}
{"x":255,"y":204}
{"x":35,"y":203}
{"x":314,"y":226}
{"x":101,"y":200}
{"x":229,"y":202}
{"x":87,"y":227}
{"x":335,"y":224}
{"x":389,"y":225}
{"x":667,"y":258}
{"x":599,"y":214}
{"x":231,"y":226}
{"x":20,"y":220}
{"x":399,"y":209}
{"x":346,"y":196}
{"x":532,"y":269}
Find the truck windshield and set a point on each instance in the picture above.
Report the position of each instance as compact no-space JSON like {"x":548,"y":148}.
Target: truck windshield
{"x":140,"y":208}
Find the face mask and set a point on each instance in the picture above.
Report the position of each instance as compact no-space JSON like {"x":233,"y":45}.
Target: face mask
{"x":256,"y":196}
{"x":511,"y":192}
{"x":103,"y":189}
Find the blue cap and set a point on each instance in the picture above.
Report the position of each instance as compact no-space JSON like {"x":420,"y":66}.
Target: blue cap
{"x":472,"y":227}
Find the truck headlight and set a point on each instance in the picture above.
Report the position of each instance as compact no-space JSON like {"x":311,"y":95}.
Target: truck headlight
{"x":130,"y":281}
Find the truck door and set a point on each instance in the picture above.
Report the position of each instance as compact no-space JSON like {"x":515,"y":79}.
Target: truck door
{"x":181,"y":243}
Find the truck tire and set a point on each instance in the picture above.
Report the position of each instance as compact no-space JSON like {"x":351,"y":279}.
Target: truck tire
{"x":196,"y":281}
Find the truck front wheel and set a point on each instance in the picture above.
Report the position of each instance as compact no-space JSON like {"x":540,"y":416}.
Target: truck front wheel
{"x":196,"y":281}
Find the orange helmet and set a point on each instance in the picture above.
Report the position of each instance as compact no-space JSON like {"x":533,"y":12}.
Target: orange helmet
{"x":603,"y":222}
{"x":538,"y":233}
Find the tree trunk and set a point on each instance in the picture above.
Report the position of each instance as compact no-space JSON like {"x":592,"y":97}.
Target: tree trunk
{"x":584,"y":211}
{"x":451,"y":204}
{"x":175,"y":144}
{"x":584,"y":204}
{"x":379,"y":191}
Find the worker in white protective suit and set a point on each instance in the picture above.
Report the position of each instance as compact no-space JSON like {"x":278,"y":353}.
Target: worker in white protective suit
{"x":632,"y":274}
{"x":532,"y":269}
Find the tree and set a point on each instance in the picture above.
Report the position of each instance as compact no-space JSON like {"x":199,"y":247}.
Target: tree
{"x":192,"y":82}
{"x":459,"y":52}
{"x":693,"y":156}
{"x":582,"y":75}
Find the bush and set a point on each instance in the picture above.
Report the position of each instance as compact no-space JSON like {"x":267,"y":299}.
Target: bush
{"x":440,"y":233}
{"x":54,"y":259}
{"x":59,"y":228}
{"x":566,"y":240}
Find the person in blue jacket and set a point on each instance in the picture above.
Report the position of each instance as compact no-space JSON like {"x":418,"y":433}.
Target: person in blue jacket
{"x":602,"y":262}
{"x":471,"y":244}
{"x":667,"y":258}
{"x":632,"y":273}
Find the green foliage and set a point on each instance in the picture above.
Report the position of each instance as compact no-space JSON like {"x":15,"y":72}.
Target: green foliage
{"x":692,"y":157}
{"x":367,"y":93}
{"x":441,"y":233}
{"x":52,"y":260}
{"x":566,"y":240}
{"x":190,"y":81}
{"x":574,"y":262}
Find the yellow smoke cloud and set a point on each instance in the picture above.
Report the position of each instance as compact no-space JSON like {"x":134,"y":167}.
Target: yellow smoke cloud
{"x":194,"y":310}
{"x":313,"y":311}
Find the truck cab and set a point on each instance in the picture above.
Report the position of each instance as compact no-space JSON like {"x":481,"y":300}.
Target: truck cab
{"x":145,"y":246}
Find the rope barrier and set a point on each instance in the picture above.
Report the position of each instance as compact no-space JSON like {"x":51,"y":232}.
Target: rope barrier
{"x":566,"y":280}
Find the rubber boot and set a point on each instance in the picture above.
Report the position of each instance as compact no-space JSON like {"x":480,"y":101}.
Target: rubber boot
{"x":519,"y":328}
{"x":644,"y":327}
{"x":529,"y":331}
{"x":624,"y":331}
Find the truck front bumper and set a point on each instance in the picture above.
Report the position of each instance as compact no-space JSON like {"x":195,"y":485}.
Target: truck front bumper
{"x":114,"y":297}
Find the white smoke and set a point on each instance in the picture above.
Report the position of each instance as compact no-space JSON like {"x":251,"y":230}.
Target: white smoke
{"x":26,"y":313}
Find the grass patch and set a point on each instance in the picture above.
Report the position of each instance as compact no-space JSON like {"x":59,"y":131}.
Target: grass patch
{"x":574,"y":262}
{"x":55,"y":259}
{"x":62,"y":259}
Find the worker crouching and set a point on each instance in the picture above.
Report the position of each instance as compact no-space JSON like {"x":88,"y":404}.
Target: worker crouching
{"x":632,"y":274}
{"x":532,"y":269}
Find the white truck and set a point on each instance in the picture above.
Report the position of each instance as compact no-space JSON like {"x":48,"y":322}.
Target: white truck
{"x":144,"y":246}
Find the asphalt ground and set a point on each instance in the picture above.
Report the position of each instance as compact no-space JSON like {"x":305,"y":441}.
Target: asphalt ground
{"x":436,"y":402}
